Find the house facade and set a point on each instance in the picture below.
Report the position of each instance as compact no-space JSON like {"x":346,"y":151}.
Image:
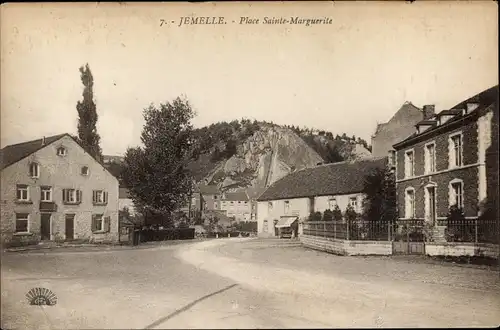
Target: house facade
{"x":51,"y":189}
{"x":451,"y":159}
{"x":237,"y":205}
{"x":398,"y":128}
{"x":297,"y":195}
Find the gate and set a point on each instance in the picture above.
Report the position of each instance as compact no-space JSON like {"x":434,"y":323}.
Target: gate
{"x":408,"y":237}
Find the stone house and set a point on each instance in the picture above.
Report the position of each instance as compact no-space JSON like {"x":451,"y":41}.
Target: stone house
{"x":297,"y":195}
{"x":52,"y":189}
{"x":398,"y":128}
{"x":237,"y":205}
{"x":451,"y":159}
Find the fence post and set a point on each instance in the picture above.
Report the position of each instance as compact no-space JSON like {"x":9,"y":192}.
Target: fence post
{"x":475,"y":231}
{"x":324,"y":229}
{"x":389,"y":231}
{"x":347,"y":228}
{"x":334,"y":229}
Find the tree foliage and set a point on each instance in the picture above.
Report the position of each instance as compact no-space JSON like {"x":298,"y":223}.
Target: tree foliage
{"x":87,"y":116}
{"x":156,"y":173}
{"x":380,"y":200}
{"x":328,"y":215}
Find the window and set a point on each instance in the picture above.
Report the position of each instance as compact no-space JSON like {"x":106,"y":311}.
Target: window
{"x":61,"y":151}
{"x":456,"y":150}
{"x":332,"y":203}
{"x":46,"y":194}
{"x":22,"y":223}
{"x":34,"y":170}
{"x":353,"y":202}
{"x":410,"y":203}
{"x":72,"y":196}
{"x":430,"y":158}
{"x":85,"y":170}
{"x":456,"y":194}
{"x":409,"y":164}
{"x":264,"y":229}
{"x":100,"y":197}
{"x":270,"y":206}
{"x":215,"y":197}
{"x":97,"y":222}
{"x":23,"y":193}
{"x":287,"y":206}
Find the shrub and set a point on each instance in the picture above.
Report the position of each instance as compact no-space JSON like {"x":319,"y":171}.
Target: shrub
{"x":328,"y":215}
{"x":337,"y":214}
{"x":315,"y":216}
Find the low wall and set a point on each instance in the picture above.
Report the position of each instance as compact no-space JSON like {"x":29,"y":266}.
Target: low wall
{"x":344,"y":247}
{"x":457,"y":249}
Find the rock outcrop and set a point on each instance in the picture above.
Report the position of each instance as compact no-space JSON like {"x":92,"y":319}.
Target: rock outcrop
{"x":268,"y":155}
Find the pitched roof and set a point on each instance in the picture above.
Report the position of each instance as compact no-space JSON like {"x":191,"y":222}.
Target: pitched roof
{"x":208,"y":189}
{"x":330,"y":179}
{"x":485,"y":99}
{"x":15,"y":152}
{"x":235,"y":196}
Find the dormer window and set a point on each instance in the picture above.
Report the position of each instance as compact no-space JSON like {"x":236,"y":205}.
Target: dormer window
{"x":85,"y":170}
{"x":34,"y":170}
{"x":61,"y":151}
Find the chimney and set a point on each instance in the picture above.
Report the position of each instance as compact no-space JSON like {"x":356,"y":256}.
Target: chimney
{"x":429,"y":111}
{"x":43,"y":141}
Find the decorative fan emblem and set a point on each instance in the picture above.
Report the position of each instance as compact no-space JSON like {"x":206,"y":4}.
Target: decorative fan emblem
{"x":41,"y":296}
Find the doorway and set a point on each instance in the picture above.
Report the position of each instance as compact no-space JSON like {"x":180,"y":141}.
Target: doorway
{"x":70,"y":226}
{"x":45,"y":226}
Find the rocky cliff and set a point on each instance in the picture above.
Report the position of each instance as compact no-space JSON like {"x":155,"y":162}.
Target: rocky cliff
{"x":263,"y":158}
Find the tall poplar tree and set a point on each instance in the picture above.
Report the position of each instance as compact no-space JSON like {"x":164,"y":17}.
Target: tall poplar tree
{"x":87,"y":116}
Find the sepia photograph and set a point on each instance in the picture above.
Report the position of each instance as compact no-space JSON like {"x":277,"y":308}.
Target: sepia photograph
{"x":249,"y":165}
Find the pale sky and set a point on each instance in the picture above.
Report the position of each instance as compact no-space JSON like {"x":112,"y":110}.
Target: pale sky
{"x":341,"y":77}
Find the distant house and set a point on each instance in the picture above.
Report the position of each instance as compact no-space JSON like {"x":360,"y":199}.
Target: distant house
{"x":450,"y":159}
{"x":237,"y":205}
{"x":398,"y":128}
{"x":52,"y":189}
{"x":297,"y":195}
{"x":209,"y":197}
{"x":125,"y":201}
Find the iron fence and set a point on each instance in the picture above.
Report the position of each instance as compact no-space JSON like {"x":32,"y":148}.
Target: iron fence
{"x":412,"y":230}
{"x":471,"y":230}
{"x":357,"y":229}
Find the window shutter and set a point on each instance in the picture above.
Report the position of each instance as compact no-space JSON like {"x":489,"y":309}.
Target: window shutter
{"x":105,"y":197}
{"x":78,"y":196}
{"x":64,"y":195}
{"x":107,"y":224}
{"x":94,"y":223}
{"x":94,"y":197}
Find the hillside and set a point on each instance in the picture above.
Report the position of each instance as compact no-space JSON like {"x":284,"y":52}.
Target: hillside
{"x":252,"y":155}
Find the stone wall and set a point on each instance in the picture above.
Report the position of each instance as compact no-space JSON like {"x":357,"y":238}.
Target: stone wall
{"x":343,"y":247}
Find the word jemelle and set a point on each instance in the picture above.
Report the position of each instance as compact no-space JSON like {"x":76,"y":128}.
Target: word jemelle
{"x":281,"y":20}
{"x":192,"y":20}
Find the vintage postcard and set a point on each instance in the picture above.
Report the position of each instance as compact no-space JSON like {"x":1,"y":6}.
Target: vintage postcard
{"x":223,"y":165}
